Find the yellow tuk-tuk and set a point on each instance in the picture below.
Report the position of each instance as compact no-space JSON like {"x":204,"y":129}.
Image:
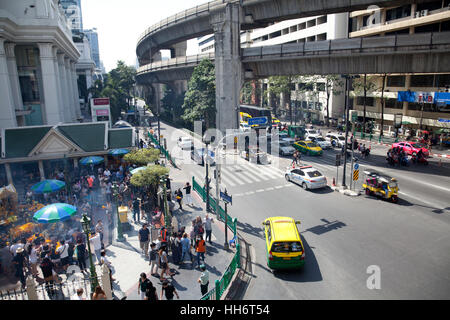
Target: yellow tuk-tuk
{"x":380,"y":185}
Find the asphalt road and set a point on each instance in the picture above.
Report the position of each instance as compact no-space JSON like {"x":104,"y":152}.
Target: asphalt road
{"x":343,"y":236}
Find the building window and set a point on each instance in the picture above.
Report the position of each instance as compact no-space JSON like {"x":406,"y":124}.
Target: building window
{"x":398,"y":13}
{"x":27,"y":59}
{"x":422,"y":81}
{"x":393,"y":103}
{"x":442,"y":80}
{"x":321,"y":20}
{"x":370,"y":101}
{"x":434,"y":27}
{"x":428,"y":107}
{"x":396,"y":81}
{"x":320,"y":86}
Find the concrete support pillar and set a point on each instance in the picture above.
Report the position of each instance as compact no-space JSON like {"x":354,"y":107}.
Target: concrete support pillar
{"x":8,"y":174}
{"x":75,"y":90}
{"x":228,"y":66}
{"x":407,"y":85}
{"x":49,"y":83}
{"x":64,"y":90}
{"x":178,"y":50}
{"x":41,"y":170}
{"x":13,"y":75}
{"x":88,"y":73}
{"x":75,"y":162}
{"x":7,"y":108}
{"x":71,"y":93}
{"x":59,"y":87}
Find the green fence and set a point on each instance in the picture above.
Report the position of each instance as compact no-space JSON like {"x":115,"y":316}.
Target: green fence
{"x":163,"y":151}
{"x":222,"y":284}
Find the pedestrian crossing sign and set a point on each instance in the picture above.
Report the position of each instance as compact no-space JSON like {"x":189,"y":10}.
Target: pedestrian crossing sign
{"x":355,"y":175}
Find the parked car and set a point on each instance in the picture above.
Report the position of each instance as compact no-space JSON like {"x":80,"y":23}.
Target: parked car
{"x":185,"y":143}
{"x":412,"y":148}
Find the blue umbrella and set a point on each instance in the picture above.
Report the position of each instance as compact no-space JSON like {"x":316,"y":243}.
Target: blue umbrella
{"x":48,"y":186}
{"x":54,"y":212}
{"x":91,"y":160}
{"x":137,"y":170}
{"x":118,"y":152}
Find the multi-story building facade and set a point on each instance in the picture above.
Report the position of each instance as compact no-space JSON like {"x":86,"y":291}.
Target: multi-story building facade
{"x":412,"y":18}
{"x":309,"y":99}
{"x":38,"y":80}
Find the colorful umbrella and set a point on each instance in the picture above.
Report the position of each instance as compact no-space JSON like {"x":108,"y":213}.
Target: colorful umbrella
{"x":48,"y":186}
{"x":91,"y":160}
{"x":54,"y":212}
{"x":137,"y":170}
{"x":118,"y":152}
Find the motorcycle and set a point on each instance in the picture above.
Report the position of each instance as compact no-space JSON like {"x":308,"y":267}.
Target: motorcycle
{"x":420,"y":160}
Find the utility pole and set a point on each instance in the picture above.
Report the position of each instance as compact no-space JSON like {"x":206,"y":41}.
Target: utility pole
{"x":208,"y":209}
{"x":217,"y":186}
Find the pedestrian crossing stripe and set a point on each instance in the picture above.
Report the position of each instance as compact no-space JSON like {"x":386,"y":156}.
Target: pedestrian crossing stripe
{"x":355,"y":175}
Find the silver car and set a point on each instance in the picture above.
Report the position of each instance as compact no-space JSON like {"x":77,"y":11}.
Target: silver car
{"x":306,"y":176}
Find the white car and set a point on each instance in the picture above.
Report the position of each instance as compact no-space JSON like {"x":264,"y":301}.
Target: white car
{"x":324,"y":144}
{"x":312,"y":133}
{"x":286,"y":148}
{"x":336,"y":140}
{"x":306,"y":176}
{"x":185,"y":142}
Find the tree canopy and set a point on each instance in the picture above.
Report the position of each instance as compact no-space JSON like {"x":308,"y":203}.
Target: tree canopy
{"x":117,"y":86}
{"x":142,"y":156}
{"x":149,"y":177}
{"x":200,"y":98}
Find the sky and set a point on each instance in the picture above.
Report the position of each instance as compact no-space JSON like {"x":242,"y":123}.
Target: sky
{"x":119,"y":24}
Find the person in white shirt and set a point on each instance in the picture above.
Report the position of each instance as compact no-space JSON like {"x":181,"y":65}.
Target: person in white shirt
{"x":104,"y":260}
{"x":208,"y":227}
{"x":107,"y":173}
{"x":63,"y":251}
{"x":203,"y":280}
{"x":78,"y":295}
{"x":34,"y":258}
{"x":97,"y":245}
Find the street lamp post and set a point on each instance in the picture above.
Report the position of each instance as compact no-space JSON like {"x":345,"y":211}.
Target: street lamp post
{"x":115,"y":192}
{"x":167,"y":217}
{"x":207,"y":142}
{"x":86,"y":225}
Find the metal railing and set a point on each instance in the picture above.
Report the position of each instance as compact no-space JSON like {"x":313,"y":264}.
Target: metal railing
{"x":184,"y":15}
{"x":163,"y":151}
{"x":222,"y":284}
{"x":175,"y":62}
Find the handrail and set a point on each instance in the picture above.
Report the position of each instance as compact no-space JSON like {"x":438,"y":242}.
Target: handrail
{"x":222,"y":284}
{"x":206,"y":7}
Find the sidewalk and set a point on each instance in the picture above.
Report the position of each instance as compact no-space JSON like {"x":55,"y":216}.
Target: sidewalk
{"x":128,"y":262}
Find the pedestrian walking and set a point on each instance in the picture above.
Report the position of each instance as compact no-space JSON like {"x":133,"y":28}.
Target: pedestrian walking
{"x":179,"y":198}
{"x":164,"y":263}
{"x":203,"y":280}
{"x":186,"y":248}
{"x":150,"y":293}
{"x":80,"y":253}
{"x":295,"y":158}
{"x":192,"y":233}
{"x":105,"y":261}
{"x":99,"y":294}
{"x":63,"y":252}
{"x":154,"y":257}
{"x":169,"y":290}
{"x":143,"y":285}
{"x":208,"y":227}
{"x":175,"y":247}
{"x":200,"y":248}
{"x":187,"y":190}
{"x":48,"y":272}
{"x":136,"y":210}
{"x":99,"y":229}
{"x":144,"y":238}
{"x":19,"y":263}
{"x":97,"y":245}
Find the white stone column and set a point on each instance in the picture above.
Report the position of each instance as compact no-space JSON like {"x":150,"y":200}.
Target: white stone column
{"x":7,"y":110}
{"x":70,"y":94}
{"x":8,"y":173}
{"x":49,"y":83}
{"x":41,"y":170}
{"x":63,"y":82}
{"x":13,"y":75}
{"x":59,"y":86}
{"x":88,"y":73}
{"x":75,"y":88}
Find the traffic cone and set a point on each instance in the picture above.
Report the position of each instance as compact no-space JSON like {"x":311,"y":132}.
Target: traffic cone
{"x":334,"y":182}
{"x":293,"y":165}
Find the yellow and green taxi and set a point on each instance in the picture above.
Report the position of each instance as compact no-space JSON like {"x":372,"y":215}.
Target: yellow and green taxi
{"x":284,"y":248}
{"x":308,"y":147}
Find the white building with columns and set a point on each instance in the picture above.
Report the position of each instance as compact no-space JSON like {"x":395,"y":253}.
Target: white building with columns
{"x":38,"y":76}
